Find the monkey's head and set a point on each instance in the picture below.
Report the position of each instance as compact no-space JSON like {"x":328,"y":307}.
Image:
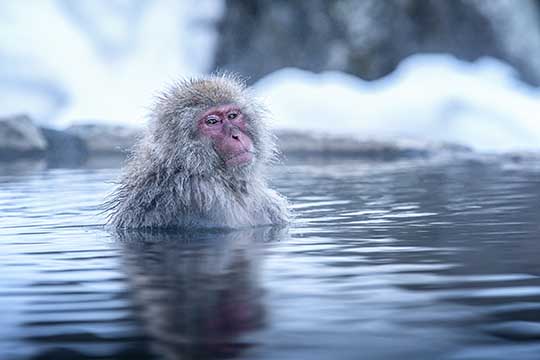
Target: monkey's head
{"x":211,"y":124}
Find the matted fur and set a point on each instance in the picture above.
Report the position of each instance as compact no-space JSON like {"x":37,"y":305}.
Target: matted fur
{"x":174,"y":177}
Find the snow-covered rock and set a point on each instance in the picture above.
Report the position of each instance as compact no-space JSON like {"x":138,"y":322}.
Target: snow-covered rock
{"x":318,"y":144}
{"x":20,"y":137}
{"x":64,"y":149}
{"x":103,"y":139}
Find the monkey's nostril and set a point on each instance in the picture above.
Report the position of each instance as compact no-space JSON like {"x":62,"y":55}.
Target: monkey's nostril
{"x":235,"y":137}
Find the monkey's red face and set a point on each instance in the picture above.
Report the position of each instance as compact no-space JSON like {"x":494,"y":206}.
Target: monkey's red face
{"x":225,"y":126}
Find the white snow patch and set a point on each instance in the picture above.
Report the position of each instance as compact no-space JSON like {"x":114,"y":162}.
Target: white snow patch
{"x":103,"y":60}
{"x":428,"y":98}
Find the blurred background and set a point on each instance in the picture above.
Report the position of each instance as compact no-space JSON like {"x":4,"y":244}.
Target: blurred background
{"x":408,"y":72}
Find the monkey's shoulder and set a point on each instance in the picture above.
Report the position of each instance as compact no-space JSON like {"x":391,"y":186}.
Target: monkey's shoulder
{"x":197,"y":202}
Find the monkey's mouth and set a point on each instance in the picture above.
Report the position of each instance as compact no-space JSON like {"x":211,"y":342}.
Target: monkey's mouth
{"x":242,"y":158}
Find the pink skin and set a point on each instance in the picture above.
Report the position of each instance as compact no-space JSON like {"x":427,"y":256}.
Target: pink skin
{"x":225,"y":125}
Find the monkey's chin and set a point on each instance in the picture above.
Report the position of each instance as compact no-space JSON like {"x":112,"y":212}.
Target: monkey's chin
{"x":241,"y":159}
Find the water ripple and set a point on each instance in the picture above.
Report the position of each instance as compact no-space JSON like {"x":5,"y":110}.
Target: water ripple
{"x":418,"y":260}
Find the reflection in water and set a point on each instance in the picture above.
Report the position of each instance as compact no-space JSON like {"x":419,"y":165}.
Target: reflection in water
{"x":198,"y":292}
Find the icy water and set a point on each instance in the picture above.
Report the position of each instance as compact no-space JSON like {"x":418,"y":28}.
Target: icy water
{"x":414,"y":260}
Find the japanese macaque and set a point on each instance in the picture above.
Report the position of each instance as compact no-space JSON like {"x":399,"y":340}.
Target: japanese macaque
{"x":201,"y":162}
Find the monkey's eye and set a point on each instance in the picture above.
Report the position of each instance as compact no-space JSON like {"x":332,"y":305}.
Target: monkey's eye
{"x":212,"y":120}
{"x":232,"y":116}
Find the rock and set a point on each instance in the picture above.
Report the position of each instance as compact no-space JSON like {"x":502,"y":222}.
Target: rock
{"x":103,"y":139}
{"x":20,"y":138}
{"x":97,"y":145}
{"x":64,"y":149}
{"x":299,"y":143}
{"x":369,"y":38}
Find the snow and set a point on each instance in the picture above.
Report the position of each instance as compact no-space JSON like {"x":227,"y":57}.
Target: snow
{"x":429,"y":98}
{"x":65,"y":62}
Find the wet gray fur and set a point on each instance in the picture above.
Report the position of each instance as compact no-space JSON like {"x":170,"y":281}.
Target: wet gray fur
{"x":174,"y":177}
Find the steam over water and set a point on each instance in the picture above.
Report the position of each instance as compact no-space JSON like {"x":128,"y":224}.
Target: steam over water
{"x":419,"y":260}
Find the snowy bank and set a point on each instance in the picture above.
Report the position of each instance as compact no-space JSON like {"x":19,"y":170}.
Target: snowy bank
{"x":428,"y":98}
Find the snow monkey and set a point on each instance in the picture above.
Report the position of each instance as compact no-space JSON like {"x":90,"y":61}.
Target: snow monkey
{"x":201,"y":162}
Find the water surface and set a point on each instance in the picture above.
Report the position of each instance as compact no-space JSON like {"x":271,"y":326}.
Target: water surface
{"x":416,"y":259}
